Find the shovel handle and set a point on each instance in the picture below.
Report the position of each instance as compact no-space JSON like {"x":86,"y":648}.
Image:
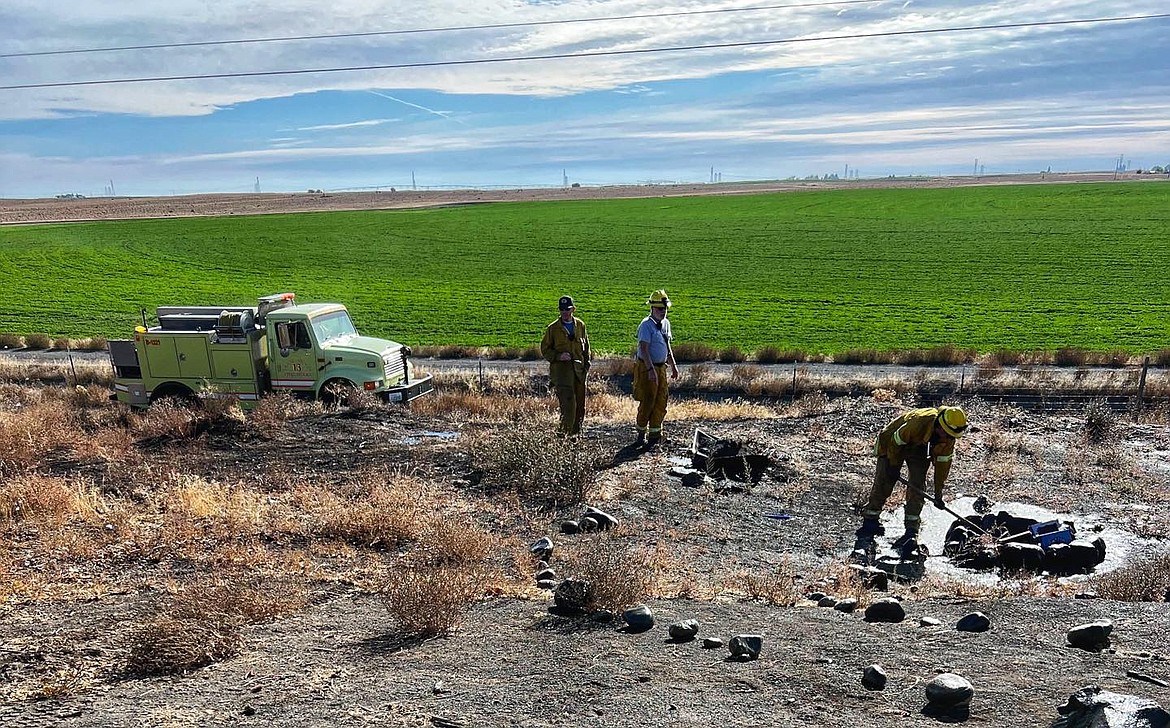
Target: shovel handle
{"x":945,"y":507}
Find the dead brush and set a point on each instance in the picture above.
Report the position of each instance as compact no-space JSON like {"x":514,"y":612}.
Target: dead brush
{"x":1100,"y":421}
{"x":1145,"y":578}
{"x":777,"y":586}
{"x":384,"y":518}
{"x":530,"y":458}
{"x":273,"y":412}
{"x":428,"y":599}
{"x":621,"y":574}
{"x":202,"y":623}
{"x":28,"y":435}
{"x":37,"y":497}
{"x":11,"y":341}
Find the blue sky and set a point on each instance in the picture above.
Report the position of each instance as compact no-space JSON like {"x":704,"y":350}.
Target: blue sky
{"x":1065,"y":97}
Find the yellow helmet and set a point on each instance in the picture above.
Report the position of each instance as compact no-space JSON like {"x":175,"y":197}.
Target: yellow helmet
{"x":953,"y":420}
{"x":658,"y":299}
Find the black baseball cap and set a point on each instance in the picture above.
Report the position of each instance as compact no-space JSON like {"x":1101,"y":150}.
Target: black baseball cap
{"x":567,"y":303}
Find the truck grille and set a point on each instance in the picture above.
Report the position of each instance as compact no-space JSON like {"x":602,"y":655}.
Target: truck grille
{"x":395,"y":364}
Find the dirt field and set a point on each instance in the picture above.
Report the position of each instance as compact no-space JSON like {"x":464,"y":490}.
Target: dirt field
{"x":74,"y":611}
{"x":52,"y":210}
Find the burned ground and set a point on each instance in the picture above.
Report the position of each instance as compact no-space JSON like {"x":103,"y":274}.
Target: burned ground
{"x":300,"y":516}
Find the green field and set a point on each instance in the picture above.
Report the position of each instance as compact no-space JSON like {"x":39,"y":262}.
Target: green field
{"x":1020,"y":267}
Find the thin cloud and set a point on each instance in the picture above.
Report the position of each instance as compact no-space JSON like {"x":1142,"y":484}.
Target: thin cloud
{"x":348,"y":125}
{"x":441,"y":114}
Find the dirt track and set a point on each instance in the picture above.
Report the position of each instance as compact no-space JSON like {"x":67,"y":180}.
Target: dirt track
{"x":53,"y":210}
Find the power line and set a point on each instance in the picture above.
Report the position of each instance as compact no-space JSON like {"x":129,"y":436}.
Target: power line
{"x":585,"y":54}
{"x":493,"y":26}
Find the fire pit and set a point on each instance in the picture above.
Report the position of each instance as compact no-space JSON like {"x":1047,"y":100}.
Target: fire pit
{"x":1016,"y":543}
{"x":724,"y":459}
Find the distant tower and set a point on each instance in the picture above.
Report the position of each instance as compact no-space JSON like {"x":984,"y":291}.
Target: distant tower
{"x":257,"y":187}
{"x":564,"y":178}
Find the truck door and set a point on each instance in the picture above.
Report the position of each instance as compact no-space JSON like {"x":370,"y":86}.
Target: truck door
{"x":293,"y":359}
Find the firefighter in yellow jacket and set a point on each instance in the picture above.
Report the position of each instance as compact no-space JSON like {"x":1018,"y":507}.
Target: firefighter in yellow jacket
{"x":565,"y":346}
{"x":918,"y":438}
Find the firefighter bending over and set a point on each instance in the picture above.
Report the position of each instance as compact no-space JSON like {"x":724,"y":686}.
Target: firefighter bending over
{"x":917,"y":438}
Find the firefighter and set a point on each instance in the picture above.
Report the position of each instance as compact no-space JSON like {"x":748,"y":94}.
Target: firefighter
{"x":654,"y":354}
{"x":917,"y":438}
{"x":566,"y":347}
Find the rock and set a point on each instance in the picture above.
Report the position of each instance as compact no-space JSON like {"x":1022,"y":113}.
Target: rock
{"x":1082,"y":556}
{"x":846,"y":605}
{"x":1092,"y":707}
{"x":604,"y":616}
{"x":1092,"y":636}
{"x":874,"y":677}
{"x":827,"y":602}
{"x":816,"y":596}
{"x":974,"y":622}
{"x":549,"y":584}
{"x":929,"y":622}
{"x":949,"y":691}
{"x":1085,"y":594}
{"x":1021,"y":557}
{"x":540,"y":565}
{"x":248,"y":710}
{"x":685,"y":630}
{"x":689,"y":476}
{"x":573,"y":595}
{"x":589,"y":524}
{"x":542,"y":549}
{"x":546,"y":575}
{"x":639,"y":618}
{"x":746,"y":646}
{"x":570,"y":527}
{"x":885,"y":610}
{"x":604,"y":520}
{"x":711,"y":643}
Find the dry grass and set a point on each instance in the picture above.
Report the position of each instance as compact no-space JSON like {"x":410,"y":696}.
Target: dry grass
{"x":201,"y":624}
{"x":1145,"y":578}
{"x":11,"y":341}
{"x":37,"y":341}
{"x":528,"y":457}
{"x":692,"y":352}
{"x":778,"y":586}
{"x":776,"y":355}
{"x":80,"y":372}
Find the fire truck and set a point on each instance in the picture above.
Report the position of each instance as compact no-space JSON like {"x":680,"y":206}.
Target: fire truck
{"x":242,"y":353}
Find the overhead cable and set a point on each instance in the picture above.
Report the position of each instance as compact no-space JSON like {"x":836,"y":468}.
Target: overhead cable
{"x":585,"y":54}
{"x":447,"y":29}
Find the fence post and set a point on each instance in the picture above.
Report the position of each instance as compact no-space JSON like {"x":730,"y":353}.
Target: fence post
{"x":1141,"y":392}
{"x":481,"y":384}
{"x":794,"y":379}
{"x":962,"y":378}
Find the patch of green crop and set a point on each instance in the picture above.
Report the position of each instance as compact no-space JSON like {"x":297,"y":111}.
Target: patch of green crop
{"x":1019,"y":267}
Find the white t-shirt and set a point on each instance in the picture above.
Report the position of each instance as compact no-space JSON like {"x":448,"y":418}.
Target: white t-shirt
{"x":656,"y":337}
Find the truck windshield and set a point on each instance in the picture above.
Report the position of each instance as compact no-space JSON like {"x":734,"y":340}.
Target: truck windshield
{"x":332,"y":326}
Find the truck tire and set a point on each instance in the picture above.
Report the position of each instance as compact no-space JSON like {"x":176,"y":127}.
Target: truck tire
{"x":336,"y":391}
{"x":174,"y":391}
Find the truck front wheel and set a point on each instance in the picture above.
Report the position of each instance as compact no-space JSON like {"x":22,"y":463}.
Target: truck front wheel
{"x":337,"y":391}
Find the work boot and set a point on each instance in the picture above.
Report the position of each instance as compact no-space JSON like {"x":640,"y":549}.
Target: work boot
{"x":908,"y":549}
{"x":653,"y":441}
{"x":870,"y":529}
{"x":902,"y":540}
{"x":640,"y":441}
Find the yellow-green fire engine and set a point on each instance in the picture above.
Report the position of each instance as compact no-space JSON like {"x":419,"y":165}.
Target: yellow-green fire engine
{"x":242,"y":353}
